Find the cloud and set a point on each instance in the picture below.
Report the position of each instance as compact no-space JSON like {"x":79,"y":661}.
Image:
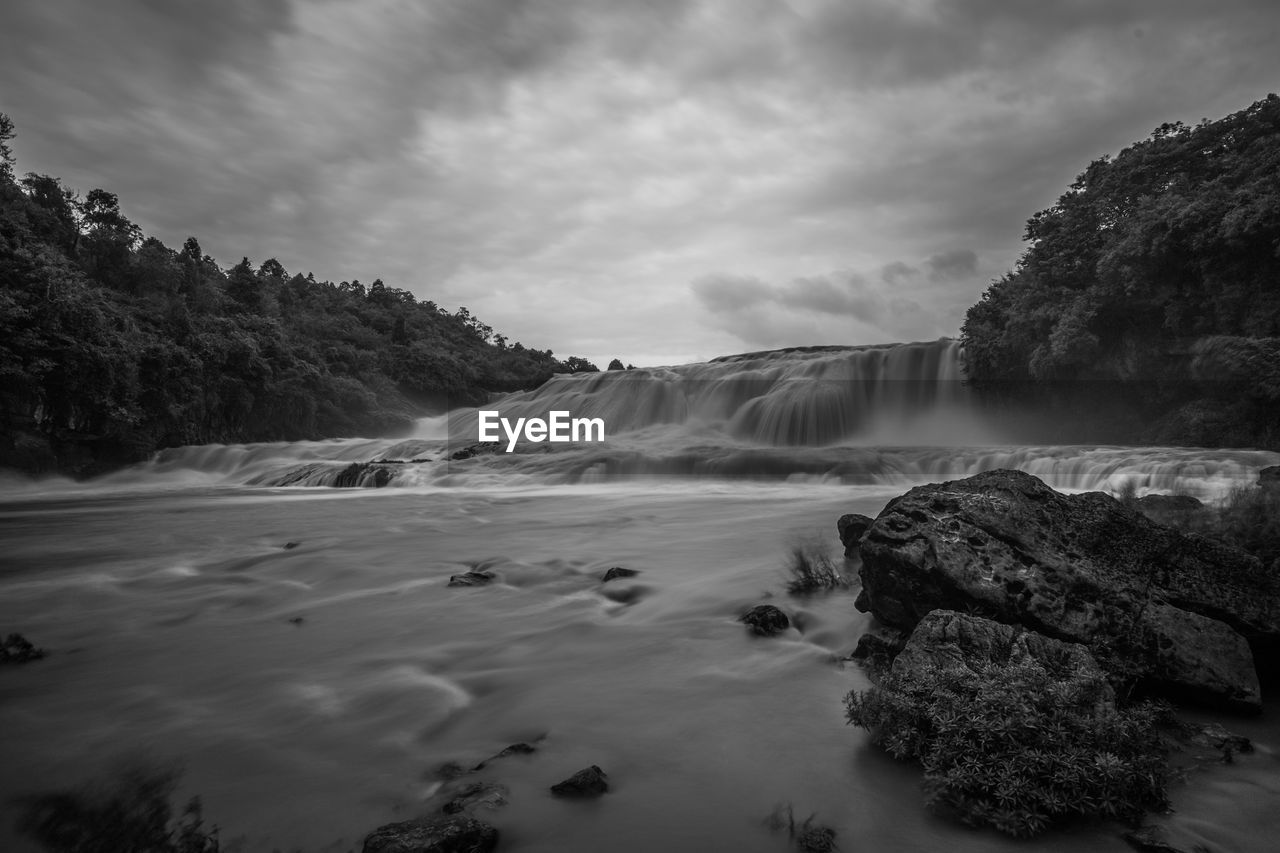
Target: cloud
{"x":957,"y":263}
{"x":565,"y":168}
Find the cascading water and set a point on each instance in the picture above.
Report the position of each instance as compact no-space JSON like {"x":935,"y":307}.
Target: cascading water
{"x":893,"y":415}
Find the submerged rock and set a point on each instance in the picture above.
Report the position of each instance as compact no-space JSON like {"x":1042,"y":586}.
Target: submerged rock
{"x":365,"y":475}
{"x":472,"y":579}
{"x":618,"y":572}
{"x":765,"y":620}
{"x":488,"y":795}
{"x":16,"y":649}
{"x":515,"y":749}
{"x":851,"y":527}
{"x":1174,"y":609}
{"x":458,"y":834}
{"x":586,"y":783}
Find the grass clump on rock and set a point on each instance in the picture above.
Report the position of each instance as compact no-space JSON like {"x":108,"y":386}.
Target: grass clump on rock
{"x":1010,"y":745}
{"x":812,"y":570}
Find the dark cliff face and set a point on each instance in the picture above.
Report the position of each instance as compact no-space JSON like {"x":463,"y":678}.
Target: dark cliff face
{"x":1188,"y":613}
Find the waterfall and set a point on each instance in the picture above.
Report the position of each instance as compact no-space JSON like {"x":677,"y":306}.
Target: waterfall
{"x":889,"y":415}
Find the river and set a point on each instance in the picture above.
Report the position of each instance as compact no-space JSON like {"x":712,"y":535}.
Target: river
{"x":298,"y":649}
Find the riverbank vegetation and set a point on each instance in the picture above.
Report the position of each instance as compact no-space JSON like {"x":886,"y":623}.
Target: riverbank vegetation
{"x":113,"y":344}
{"x":1153,"y":284}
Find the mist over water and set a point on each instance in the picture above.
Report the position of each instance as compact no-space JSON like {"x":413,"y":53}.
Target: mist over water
{"x":298,"y":647}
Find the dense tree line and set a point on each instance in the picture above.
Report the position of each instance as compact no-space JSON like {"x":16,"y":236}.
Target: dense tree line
{"x":1156,"y":274}
{"x":113,"y":344}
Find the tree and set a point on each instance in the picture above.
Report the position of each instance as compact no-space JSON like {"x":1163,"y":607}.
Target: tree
{"x":616,"y":365}
{"x":6,"y":153}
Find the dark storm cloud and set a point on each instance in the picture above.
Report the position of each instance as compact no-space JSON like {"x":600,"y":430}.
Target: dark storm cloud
{"x":957,"y":263}
{"x":565,"y":167}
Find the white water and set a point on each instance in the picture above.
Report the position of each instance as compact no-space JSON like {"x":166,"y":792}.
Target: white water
{"x":165,"y":594}
{"x":893,"y":415}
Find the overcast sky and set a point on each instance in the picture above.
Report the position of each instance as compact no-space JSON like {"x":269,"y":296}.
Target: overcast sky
{"x":660,"y":181}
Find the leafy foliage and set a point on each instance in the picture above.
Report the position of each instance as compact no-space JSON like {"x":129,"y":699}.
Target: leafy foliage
{"x":1015,"y":749}
{"x":1166,"y":255}
{"x":112,"y":344}
{"x":132,"y":812}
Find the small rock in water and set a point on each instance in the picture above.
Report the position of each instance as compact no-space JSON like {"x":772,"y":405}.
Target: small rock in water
{"x":489,"y":795}
{"x":618,"y":572}
{"x":289,"y":546}
{"x":451,"y":770}
{"x":296,"y":620}
{"x":589,"y":782}
{"x":514,"y":749}
{"x":1151,"y":839}
{"x":471,"y":579}
{"x":458,"y":834}
{"x":765,"y":620}
{"x":16,"y":649}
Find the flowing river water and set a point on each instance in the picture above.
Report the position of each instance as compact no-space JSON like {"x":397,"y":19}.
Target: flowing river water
{"x":296,"y":646}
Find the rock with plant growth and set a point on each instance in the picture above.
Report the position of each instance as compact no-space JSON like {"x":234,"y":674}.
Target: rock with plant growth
{"x":1180,"y":613}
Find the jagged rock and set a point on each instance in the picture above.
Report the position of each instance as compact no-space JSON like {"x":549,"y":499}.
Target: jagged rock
{"x":618,"y":572}
{"x":851,"y":527}
{"x":765,"y":620}
{"x":488,"y":795}
{"x":1175,"y":608}
{"x":457,"y":834}
{"x":16,"y":649}
{"x":472,"y":579}
{"x":947,"y":640}
{"x":589,"y":782}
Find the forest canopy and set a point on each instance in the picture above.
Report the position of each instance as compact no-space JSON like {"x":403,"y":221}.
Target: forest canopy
{"x":113,"y":344}
{"x":1159,"y":269}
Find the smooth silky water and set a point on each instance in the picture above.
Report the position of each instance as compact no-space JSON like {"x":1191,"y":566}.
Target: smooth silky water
{"x":167,"y":598}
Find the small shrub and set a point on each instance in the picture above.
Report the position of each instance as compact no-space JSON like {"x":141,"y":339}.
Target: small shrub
{"x":807,"y":836}
{"x":132,"y":813}
{"x":1012,"y":748}
{"x":1249,"y":519}
{"x":812,"y":570}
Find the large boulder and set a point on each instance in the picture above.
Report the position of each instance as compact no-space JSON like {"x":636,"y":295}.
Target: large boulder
{"x":949,"y":640}
{"x":1181,"y":611}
